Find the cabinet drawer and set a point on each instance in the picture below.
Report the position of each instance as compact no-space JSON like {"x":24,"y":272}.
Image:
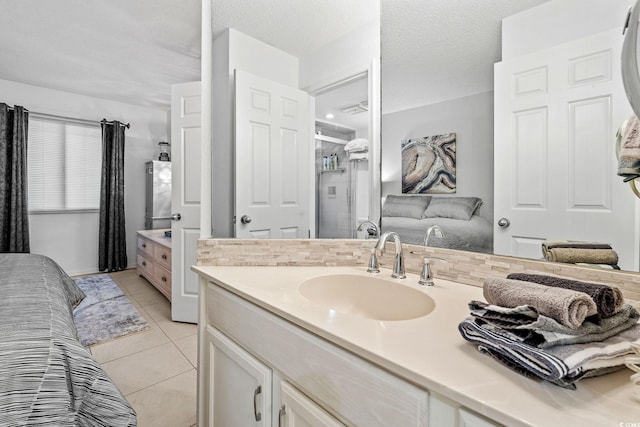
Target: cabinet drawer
{"x":162,"y":255}
{"x":145,"y":267}
{"x":162,"y":279}
{"x":145,"y":246}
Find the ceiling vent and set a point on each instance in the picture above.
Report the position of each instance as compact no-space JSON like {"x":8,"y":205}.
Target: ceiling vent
{"x":358,"y":108}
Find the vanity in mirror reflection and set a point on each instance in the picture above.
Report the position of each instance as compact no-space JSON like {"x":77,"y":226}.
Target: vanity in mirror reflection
{"x":535,"y":133}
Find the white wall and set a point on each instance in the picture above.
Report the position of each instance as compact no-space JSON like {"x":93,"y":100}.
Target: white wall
{"x":72,"y":239}
{"x":232,"y":50}
{"x":560,"y":21}
{"x":346,"y":56}
{"x":471,"y":118}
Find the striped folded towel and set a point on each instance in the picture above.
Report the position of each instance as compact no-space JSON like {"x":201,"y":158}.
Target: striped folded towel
{"x":524,"y":324}
{"x":562,"y":365}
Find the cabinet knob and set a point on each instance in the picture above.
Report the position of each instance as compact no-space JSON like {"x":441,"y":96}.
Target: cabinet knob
{"x":256,"y":414}
{"x":144,"y":263}
{"x":164,"y":279}
{"x":164,"y":256}
{"x":144,"y":245}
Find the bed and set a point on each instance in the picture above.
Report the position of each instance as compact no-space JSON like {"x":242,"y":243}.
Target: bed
{"x":46,"y":376}
{"x":411,"y":216}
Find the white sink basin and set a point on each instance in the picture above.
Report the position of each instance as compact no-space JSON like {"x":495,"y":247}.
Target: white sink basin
{"x":367,"y":296}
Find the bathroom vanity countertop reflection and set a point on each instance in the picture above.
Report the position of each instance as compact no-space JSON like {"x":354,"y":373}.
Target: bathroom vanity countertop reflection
{"x":429,"y":351}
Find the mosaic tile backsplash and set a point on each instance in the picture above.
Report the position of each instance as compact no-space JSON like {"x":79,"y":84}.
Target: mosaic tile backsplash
{"x":470,"y":268}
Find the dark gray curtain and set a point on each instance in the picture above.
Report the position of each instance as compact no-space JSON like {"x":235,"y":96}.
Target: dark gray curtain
{"x":112,"y":243}
{"x":14,"y":214}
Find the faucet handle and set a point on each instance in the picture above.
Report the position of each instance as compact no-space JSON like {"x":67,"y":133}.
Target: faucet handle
{"x":426,"y":276}
{"x":374,"y":266}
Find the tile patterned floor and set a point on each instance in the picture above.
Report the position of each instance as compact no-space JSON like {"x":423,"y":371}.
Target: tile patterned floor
{"x":155,"y":369}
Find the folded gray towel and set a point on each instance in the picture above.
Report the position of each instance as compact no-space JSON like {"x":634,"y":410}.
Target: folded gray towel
{"x":526,"y":325}
{"x":568,"y":307}
{"x":628,"y":149}
{"x":608,"y":299}
{"x":561,"y":364}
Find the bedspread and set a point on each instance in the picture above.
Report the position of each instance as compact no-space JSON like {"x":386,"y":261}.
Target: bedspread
{"x":47,"y":378}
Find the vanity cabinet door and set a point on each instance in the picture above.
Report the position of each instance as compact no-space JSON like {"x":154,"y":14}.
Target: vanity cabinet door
{"x":297,"y":410}
{"x":238,"y":385}
{"x":469,"y":419}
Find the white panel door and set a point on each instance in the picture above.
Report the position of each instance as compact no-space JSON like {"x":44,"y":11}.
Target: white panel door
{"x":556,"y":116}
{"x":238,"y":385}
{"x":272,"y":140}
{"x":185,"y":199}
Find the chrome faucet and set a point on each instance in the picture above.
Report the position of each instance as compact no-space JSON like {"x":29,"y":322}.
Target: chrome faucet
{"x":436,"y":231}
{"x":426,"y":276}
{"x":372,"y":225}
{"x":398,"y":264}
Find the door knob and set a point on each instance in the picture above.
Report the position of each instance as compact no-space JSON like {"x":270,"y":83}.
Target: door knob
{"x":245,"y":219}
{"x":504,"y":222}
{"x":176,"y":217}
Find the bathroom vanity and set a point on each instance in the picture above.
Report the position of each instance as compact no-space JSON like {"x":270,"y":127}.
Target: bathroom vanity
{"x":270,"y":355}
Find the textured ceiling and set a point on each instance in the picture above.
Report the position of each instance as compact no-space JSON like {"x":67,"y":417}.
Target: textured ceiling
{"x":124,"y":50}
{"x":295,"y":26}
{"x":440,"y":49}
{"x":133,"y":50}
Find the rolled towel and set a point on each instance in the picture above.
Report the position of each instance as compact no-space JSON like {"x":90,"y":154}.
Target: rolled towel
{"x":589,"y":256}
{"x":568,"y":307}
{"x":608,"y":299}
{"x":548,"y":245}
{"x":628,"y":149}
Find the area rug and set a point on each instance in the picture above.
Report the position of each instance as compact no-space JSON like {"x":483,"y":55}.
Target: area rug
{"x":106,"y":313}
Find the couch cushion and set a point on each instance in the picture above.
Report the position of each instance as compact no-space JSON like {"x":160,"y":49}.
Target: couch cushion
{"x":406,"y":206}
{"x":452,"y":207}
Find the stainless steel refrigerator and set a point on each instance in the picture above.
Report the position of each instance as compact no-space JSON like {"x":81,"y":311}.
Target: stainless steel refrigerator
{"x":158,"y":199}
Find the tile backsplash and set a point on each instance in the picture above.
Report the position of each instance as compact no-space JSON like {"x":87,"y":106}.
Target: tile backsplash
{"x":470,"y":268}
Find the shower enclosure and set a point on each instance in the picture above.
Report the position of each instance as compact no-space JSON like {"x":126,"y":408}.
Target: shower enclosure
{"x":342,"y":186}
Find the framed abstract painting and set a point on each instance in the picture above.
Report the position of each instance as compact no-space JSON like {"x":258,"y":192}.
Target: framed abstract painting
{"x":429,"y":164}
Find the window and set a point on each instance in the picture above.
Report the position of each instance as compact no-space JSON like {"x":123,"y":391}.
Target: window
{"x":64,"y":160}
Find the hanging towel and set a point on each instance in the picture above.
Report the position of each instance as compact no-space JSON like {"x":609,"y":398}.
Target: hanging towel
{"x":524,"y":324}
{"x":628,"y":149}
{"x":608,"y":299}
{"x":566,"y":306}
{"x":358,"y":155}
{"x":357,"y":145}
{"x":561,"y":364}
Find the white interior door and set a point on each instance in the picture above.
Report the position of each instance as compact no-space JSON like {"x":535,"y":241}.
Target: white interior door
{"x":272,"y":140}
{"x":185,"y":199}
{"x":556,"y":116}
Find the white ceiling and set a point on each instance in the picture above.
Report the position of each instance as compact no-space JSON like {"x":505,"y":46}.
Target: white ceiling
{"x":440,"y":49}
{"x":123,"y":50}
{"x":133,"y":50}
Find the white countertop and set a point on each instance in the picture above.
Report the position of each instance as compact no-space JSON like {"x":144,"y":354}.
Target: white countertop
{"x":430,"y":352}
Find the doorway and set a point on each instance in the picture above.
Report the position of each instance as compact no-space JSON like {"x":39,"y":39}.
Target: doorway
{"x":341,"y":160}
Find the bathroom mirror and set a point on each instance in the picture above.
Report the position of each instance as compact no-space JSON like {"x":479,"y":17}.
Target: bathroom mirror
{"x":438,"y":79}
{"x":329,"y":50}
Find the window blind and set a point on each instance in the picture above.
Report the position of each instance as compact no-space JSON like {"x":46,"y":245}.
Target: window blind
{"x":64,"y":161}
